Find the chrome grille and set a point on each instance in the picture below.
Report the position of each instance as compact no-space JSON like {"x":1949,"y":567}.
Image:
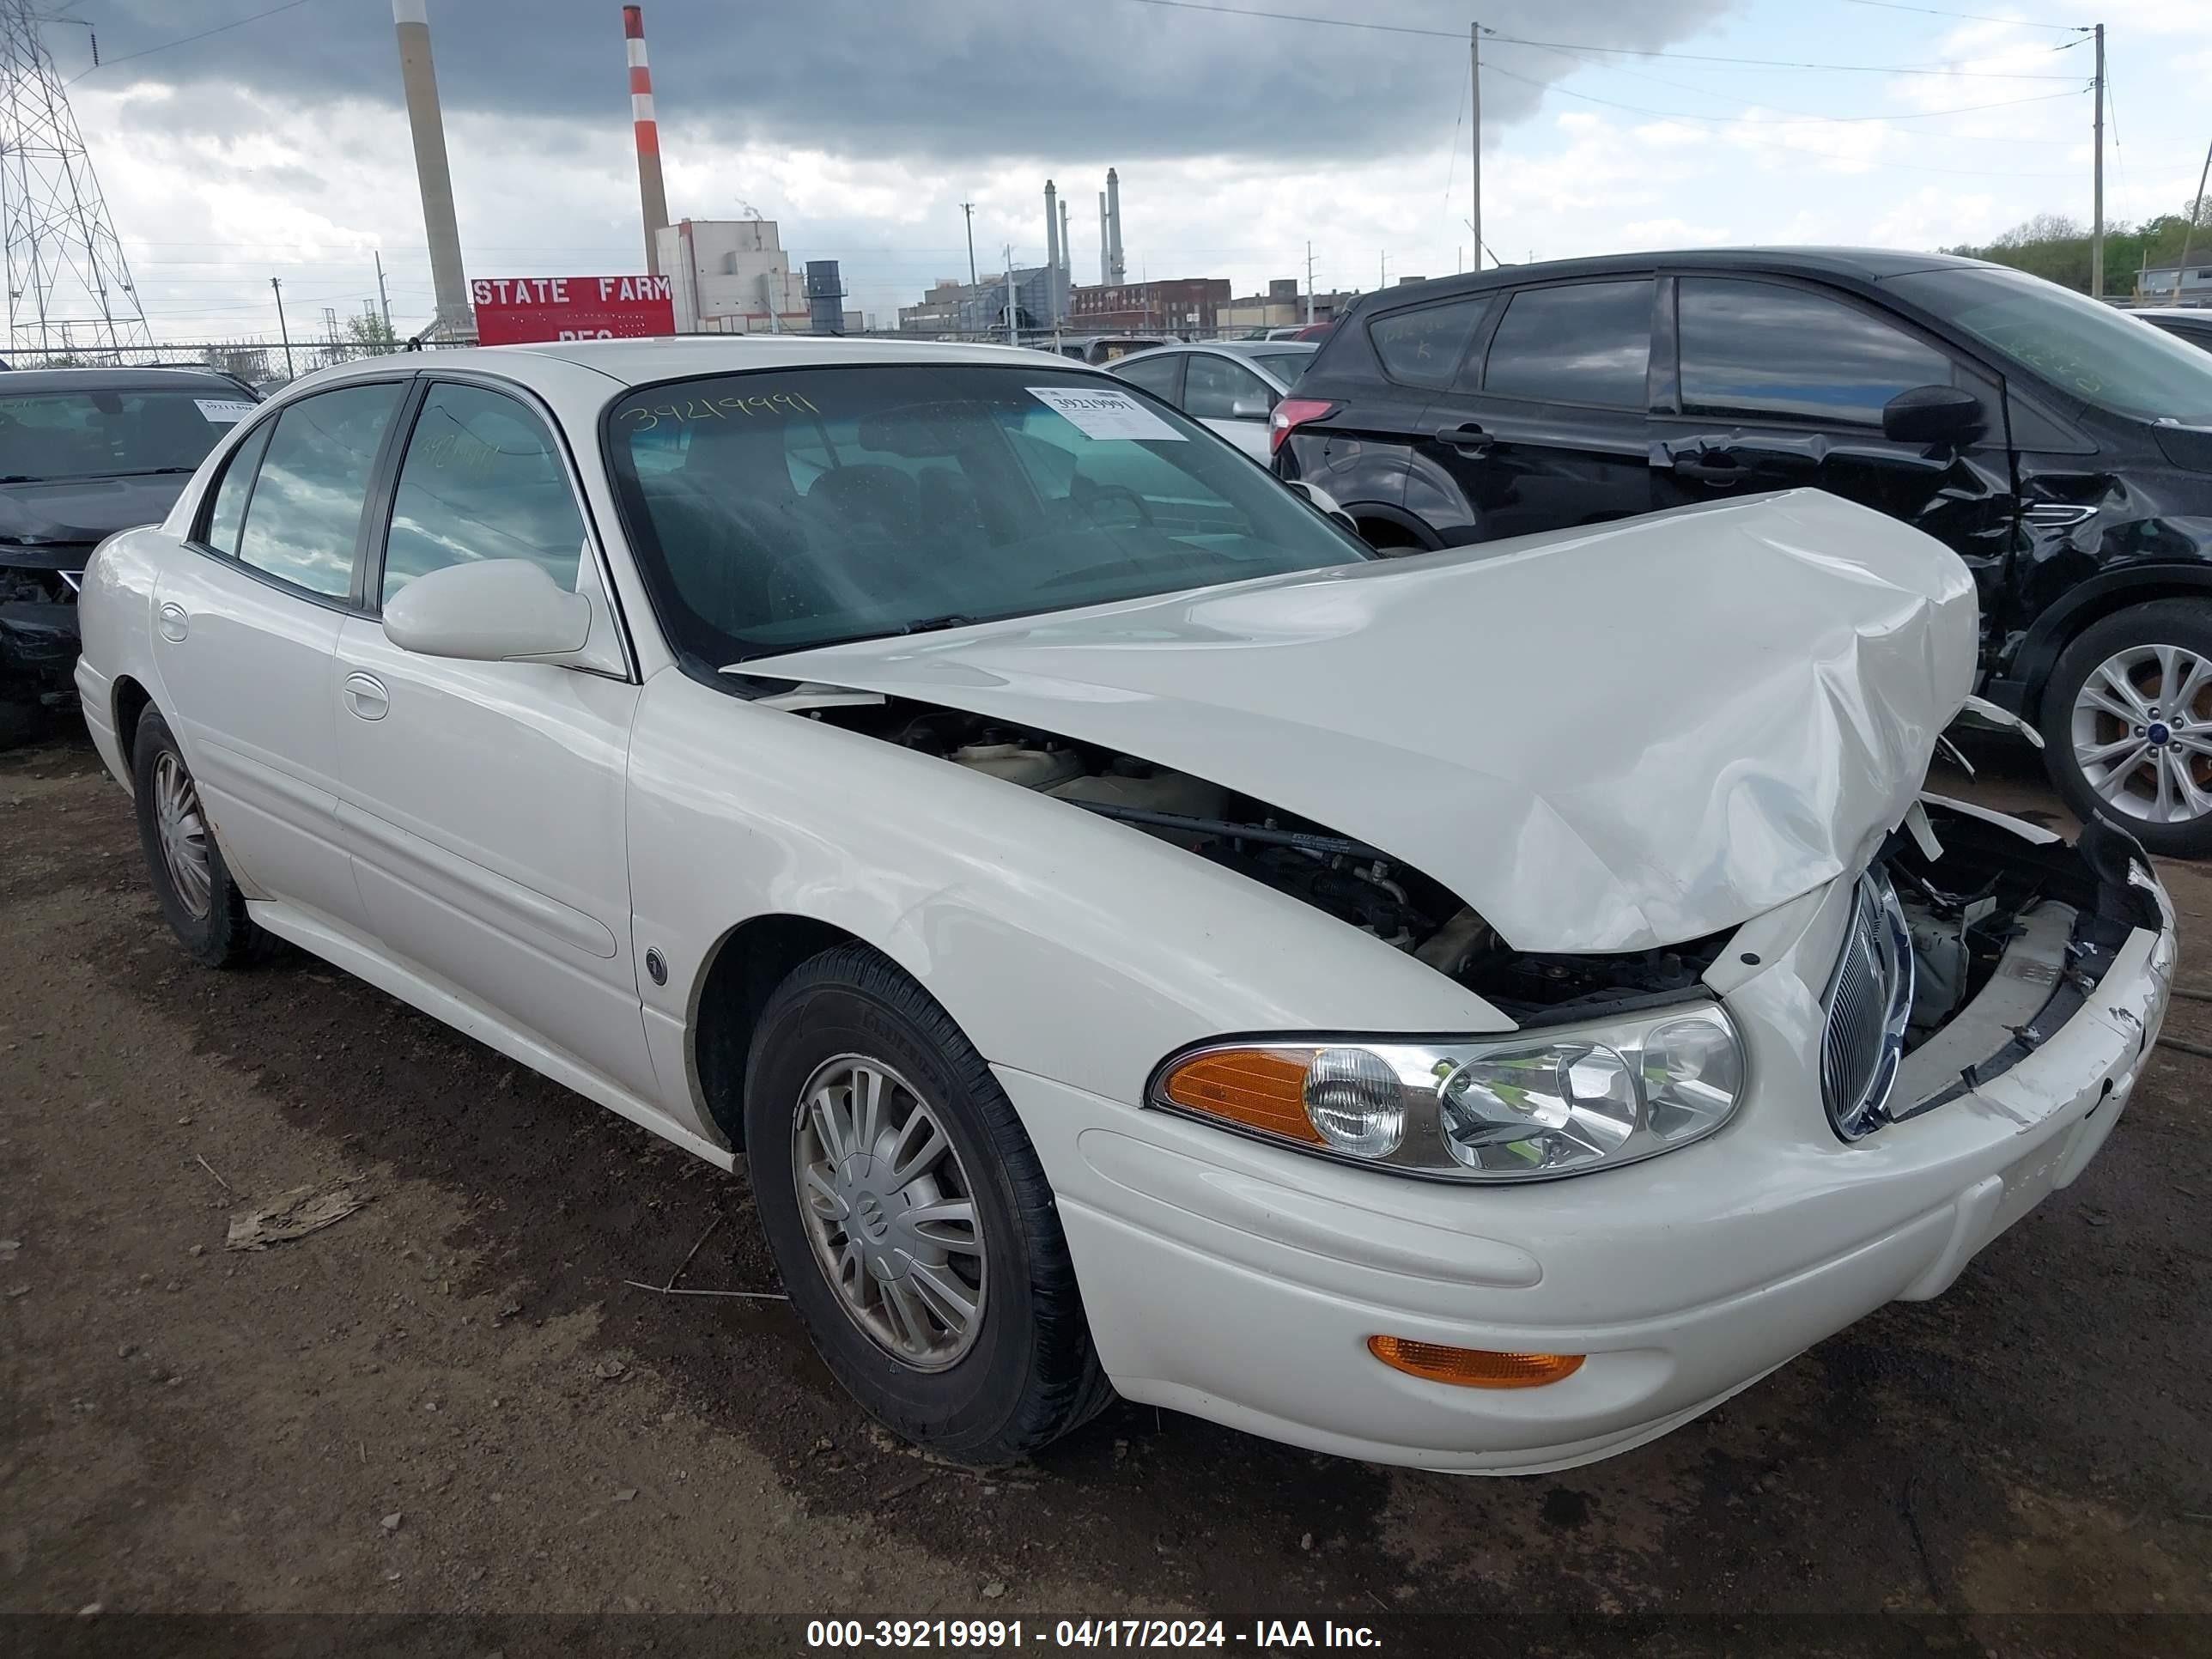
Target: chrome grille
{"x":1869,"y":997}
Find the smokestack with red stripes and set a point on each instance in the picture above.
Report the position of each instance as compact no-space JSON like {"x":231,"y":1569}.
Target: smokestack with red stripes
{"x":653,"y":198}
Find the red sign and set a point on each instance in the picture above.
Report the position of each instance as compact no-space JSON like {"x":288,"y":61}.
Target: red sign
{"x":516,"y":310}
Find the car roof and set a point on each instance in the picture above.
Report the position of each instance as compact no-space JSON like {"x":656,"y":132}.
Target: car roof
{"x":17,"y":382}
{"x":1870,"y":264}
{"x":2175,"y":313}
{"x":676,"y":357}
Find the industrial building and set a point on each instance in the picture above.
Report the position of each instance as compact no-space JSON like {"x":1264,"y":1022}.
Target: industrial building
{"x":732,"y":277}
{"x":1187,"y":305}
{"x":952,"y":307}
{"x":1283,"y":305}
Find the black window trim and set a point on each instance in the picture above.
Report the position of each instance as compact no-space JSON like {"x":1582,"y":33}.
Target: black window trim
{"x":1481,"y":386}
{"x":1993,"y":382}
{"x":348,"y":603}
{"x":384,"y":500}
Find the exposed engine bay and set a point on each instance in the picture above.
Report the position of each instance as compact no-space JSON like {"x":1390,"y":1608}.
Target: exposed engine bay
{"x":1359,"y":885}
{"x":2008,"y":939}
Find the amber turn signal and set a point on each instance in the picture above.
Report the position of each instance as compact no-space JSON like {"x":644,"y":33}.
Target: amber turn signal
{"x":1473,"y":1368}
{"x":1260,"y":1088}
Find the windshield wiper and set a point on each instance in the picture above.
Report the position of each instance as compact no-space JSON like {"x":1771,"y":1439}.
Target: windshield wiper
{"x":153,"y":472}
{"x":936,"y":624}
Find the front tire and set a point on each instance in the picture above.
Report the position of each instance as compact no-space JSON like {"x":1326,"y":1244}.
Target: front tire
{"x":916,"y":1231}
{"x":2127,"y":725}
{"x":202,"y":903}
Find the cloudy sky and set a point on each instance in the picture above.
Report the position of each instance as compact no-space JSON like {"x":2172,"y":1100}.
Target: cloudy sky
{"x":278,"y":146}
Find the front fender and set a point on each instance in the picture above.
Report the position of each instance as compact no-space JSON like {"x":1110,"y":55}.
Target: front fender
{"x":1065,"y":946}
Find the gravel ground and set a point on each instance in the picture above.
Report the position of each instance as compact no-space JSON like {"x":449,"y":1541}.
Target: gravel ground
{"x":450,"y":1402}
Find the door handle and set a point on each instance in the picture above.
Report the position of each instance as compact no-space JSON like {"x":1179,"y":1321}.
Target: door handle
{"x":1723,"y":472}
{"x":366,"y":696}
{"x":1469,"y":440}
{"x":174,"y":625}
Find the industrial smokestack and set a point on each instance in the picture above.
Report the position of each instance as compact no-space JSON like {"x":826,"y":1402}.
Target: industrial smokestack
{"x":651,"y":198}
{"x":1066,"y":258}
{"x":1114,"y":222}
{"x":1105,"y":263}
{"x":410,"y":18}
{"x":1051,"y":254}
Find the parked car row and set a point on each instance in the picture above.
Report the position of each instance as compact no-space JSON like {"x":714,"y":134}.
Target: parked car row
{"x":2060,"y":448}
{"x":1470,"y":1012}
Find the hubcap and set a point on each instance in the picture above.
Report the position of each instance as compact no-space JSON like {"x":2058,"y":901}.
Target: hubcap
{"x":2143,"y":733}
{"x":181,"y":828}
{"x":889,"y":1212}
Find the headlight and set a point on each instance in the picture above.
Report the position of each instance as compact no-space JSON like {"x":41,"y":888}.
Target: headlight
{"x":1527,"y":1106}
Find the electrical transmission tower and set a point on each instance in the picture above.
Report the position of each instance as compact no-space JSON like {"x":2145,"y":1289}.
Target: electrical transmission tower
{"x":68,"y":285}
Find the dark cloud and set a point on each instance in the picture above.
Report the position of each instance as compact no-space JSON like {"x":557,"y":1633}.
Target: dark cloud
{"x":956,"y":80}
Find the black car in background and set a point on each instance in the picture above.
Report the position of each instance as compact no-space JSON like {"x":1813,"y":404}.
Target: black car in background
{"x":2062,"y":447}
{"x":83,"y":454}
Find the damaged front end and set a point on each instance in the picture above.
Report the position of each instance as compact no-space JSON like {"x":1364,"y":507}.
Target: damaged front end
{"x":38,"y":636}
{"x":1968,"y":949}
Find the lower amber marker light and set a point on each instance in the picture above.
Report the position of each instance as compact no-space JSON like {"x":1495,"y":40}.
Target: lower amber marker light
{"x":1473,"y":1368}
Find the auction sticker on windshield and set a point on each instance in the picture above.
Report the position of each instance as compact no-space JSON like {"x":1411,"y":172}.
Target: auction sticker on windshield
{"x":1103,"y":414}
{"x":223,"y":411}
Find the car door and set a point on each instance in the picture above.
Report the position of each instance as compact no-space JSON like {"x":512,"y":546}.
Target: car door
{"x":482,"y":803}
{"x":244,"y":635}
{"x":1225,"y":396}
{"x":1781,"y":383}
{"x":1544,"y":425}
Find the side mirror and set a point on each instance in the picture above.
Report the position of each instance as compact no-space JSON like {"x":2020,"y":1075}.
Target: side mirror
{"x":1934,"y":414}
{"x":488,"y":611}
{"x":1250,"y":409}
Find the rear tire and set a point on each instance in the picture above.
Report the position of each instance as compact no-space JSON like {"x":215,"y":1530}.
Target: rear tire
{"x":2116,"y":745}
{"x":1021,"y":1371}
{"x":202,"y":903}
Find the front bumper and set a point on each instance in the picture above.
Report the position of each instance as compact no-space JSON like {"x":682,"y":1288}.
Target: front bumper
{"x":1240,"y":1283}
{"x":39,"y":639}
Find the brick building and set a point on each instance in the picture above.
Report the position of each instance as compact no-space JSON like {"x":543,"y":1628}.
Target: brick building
{"x":1188,"y":305}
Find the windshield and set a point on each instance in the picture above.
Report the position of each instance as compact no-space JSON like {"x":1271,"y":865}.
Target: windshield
{"x":785,"y":508}
{"x":106,"y":435}
{"x":2102,"y":355}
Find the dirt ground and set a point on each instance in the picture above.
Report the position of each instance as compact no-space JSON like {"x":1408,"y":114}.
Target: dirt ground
{"x":450,"y":1402}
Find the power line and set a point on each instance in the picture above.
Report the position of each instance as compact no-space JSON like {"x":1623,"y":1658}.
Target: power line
{"x":1967,"y":16}
{"x":1800,"y":149}
{"x":186,"y":40}
{"x":1577,"y":46}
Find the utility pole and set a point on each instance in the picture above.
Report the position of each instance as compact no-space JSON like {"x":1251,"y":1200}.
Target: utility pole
{"x":382,"y":294}
{"x":1013,"y":311}
{"x":2097,"y":233}
{"x":1309,"y":293}
{"x":1474,"y":121}
{"x":968,"y":211}
{"x":1381,"y":271}
{"x":2189,"y":235}
{"x":276,"y":288}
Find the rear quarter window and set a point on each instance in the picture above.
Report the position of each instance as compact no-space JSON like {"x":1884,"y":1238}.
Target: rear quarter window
{"x":1423,"y":346}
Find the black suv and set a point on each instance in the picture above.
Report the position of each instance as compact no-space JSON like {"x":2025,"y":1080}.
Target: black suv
{"x":83,"y":454}
{"x":2062,"y":448}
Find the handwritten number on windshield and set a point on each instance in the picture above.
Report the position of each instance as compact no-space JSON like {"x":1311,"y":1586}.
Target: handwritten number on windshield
{"x":720,"y":408}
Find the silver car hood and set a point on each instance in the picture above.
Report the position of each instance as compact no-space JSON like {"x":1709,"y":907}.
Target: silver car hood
{"x":1603,"y":739}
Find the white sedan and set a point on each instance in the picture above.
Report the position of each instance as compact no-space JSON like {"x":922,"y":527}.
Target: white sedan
{"x":1476,"y":1010}
{"x":1230,"y":387}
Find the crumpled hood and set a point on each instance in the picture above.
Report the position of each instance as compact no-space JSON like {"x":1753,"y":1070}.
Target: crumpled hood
{"x":1602,"y":740}
{"x":85,"y":509}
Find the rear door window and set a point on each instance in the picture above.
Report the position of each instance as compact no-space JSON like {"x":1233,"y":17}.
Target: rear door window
{"x":1583,"y":343}
{"x":1753,"y":348}
{"x":1161,"y":376}
{"x":1423,"y":346}
{"x":304,"y":518}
